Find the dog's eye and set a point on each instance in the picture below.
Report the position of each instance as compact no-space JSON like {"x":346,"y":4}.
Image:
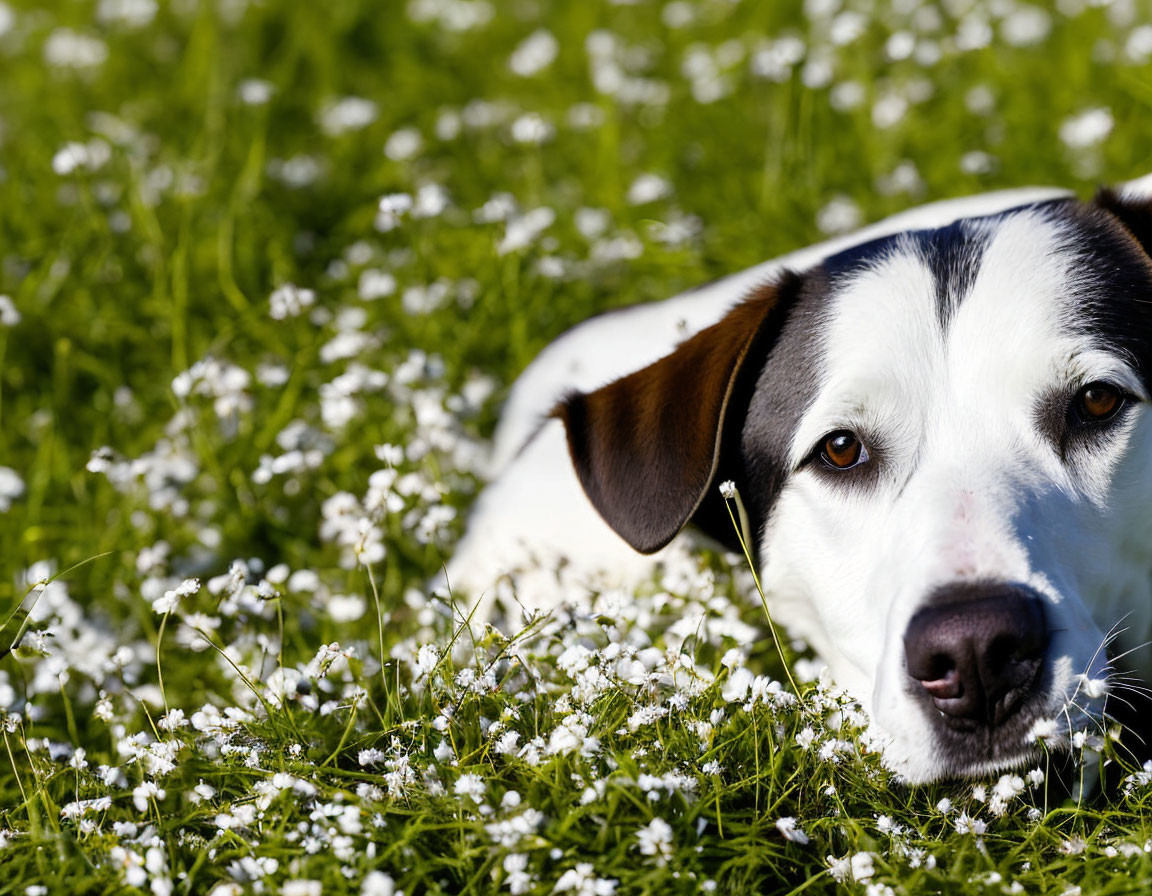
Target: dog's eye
{"x":1098,"y":402}
{"x":841,"y":450}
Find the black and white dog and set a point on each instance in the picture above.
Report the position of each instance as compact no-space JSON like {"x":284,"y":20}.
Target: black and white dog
{"x":938,"y":430}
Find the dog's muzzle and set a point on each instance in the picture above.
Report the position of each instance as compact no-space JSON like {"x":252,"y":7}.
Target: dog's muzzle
{"x":976,"y":653}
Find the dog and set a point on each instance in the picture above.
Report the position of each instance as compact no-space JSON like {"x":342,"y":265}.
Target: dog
{"x":937,"y":430}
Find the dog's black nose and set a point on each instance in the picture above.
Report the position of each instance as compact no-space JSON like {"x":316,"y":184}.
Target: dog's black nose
{"x":977,"y":650}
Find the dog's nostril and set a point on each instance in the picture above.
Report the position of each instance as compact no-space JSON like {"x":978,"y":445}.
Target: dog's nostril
{"x":944,"y":687}
{"x":978,"y":658}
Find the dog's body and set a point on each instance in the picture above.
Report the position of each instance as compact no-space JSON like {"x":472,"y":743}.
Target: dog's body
{"x":936,"y":427}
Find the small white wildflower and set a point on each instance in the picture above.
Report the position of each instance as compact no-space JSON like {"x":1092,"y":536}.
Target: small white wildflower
{"x":11,"y":487}
{"x":583,"y":881}
{"x":377,"y":883}
{"x":965,"y":824}
{"x":391,"y":209}
{"x":1042,"y":729}
{"x":352,"y":113}
{"x":289,"y":301}
{"x":534,"y":54}
{"x":403,"y":145}
{"x":9,"y":316}
{"x":66,"y":48}
{"x":255,"y":92}
{"x":301,"y":887}
{"x":374,"y":284}
{"x":862,"y":866}
{"x":656,"y":839}
{"x":143,"y":793}
{"x":791,"y":830}
{"x":522,"y":230}
{"x":1073,"y":846}
{"x":839,"y":869}
{"x":470,"y":785}
{"x":172,"y":720}
{"x":648,"y":188}
{"x":1025,"y":26}
{"x":728,"y":491}
{"x":1087,"y":128}
{"x":531,"y":129}
{"x":1008,"y":786}
{"x":427,"y":658}
{"x":840,"y":215}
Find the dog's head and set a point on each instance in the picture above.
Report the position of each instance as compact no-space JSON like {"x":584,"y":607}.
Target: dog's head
{"x":942,"y":445}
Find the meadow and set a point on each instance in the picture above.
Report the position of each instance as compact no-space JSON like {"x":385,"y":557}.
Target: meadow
{"x":267,"y":270}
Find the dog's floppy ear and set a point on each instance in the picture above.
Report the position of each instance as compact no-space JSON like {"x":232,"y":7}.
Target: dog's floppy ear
{"x":646,"y":447}
{"x":1134,"y":212}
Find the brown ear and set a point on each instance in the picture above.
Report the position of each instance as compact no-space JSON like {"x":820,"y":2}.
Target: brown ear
{"x":646,"y":447}
{"x":1134,"y":214}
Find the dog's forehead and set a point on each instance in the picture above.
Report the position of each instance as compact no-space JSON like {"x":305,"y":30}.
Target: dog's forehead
{"x":1002,"y":304}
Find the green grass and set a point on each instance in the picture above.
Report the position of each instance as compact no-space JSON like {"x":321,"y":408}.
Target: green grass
{"x":159,"y":244}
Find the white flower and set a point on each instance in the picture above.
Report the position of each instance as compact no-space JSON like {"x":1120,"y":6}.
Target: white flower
{"x":840,"y":215}
{"x":352,"y":113}
{"x":11,"y":487}
{"x":470,"y":785}
{"x":791,"y":831}
{"x":427,"y":658}
{"x":840,"y":869}
{"x":648,"y":188}
{"x":656,"y":839}
{"x":1086,"y":129}
{"x":255,"y":92}
{"x":1042,"y":729}
{"x":521,"y":230}
{"x":346,"y":607}
{"x":374,"y":284}
{"x":862,"y":867}
{"x":289,"y":301}
{"x":9,"y":316}
{"x":583,"y":881}
{"x":172,"y":720}
{"x":1008,"y":786}
{"x":404,"y":144}
{"x":534,"y":54}
{"x":301,"y":888}
{"x":66,"y":48}
{"x":130,"y":13}
{"x":146,"y":791}
{"x":728,"y":492}
{"x":518,"y":880}
{"x":170,"y":600}
{"x":377,"y":883}
{"x":391,"y":209}
{"x":531,"y":129}
{"x":965,"y":824}
{"x":1025,"y":26}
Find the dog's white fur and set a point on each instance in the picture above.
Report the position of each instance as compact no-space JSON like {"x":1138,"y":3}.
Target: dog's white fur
{"x":970,"y":485}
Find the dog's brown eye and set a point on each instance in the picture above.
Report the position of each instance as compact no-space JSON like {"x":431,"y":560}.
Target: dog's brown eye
{"x":842,"y":450}
{"x":1098,"y":402}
